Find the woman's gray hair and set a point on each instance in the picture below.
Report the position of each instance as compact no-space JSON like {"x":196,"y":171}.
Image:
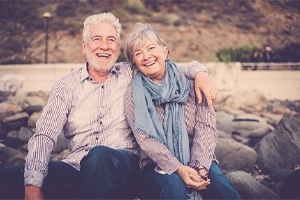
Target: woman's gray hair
{"x":137,"y":38}
{"x":101,"y":18}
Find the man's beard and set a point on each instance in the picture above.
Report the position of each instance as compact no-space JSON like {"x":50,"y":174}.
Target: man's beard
{"x":95,"y":65}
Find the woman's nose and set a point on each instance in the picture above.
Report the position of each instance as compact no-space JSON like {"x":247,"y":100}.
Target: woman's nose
{"x":146,"y":56}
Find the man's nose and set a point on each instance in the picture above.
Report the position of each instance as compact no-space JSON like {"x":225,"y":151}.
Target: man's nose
{"x":104,"y":44}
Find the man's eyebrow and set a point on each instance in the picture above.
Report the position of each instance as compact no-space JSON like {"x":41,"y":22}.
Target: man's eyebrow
{"x":110,"y":36}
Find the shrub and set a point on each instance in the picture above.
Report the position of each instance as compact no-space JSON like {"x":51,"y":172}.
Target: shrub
{"x":173,"y":19}
{"x":289,"y":53}
{"x":134,"y":5}
{"x":241,"y":54}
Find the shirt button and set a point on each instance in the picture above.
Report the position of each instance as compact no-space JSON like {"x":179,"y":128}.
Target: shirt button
{"x":102,"y":86}
{"x":97,"y":138}
{"x":101,"y":123}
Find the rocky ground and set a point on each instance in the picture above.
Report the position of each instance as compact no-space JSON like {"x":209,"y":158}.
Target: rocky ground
{"x":258,"y":148}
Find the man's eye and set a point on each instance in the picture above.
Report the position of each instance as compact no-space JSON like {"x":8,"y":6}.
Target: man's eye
{"x":96,"y":39}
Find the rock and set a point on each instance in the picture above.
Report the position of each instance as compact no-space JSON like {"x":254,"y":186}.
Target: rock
{"x":280,"y":149}
{"x":222,"y":134}
{"x":61,"y":144}
{"x":246,"y":100}
{"x":249,"y":188}
{"x":34,"y":101}
{"x":15,"y":122}
{"x":3,"y":131}
{"x":33,"y":119}
{"x":260,"y":132}
{"x":234,"y":156}
{"x":32,"y":109}
{"x":243,"y":124}
{"x":291,"y":186}
{"x":61,"y":156}
{"x":9,"y":155}
{"x":24,"y":134}
{"x":16,"y":160}
{"x":281,"y":175}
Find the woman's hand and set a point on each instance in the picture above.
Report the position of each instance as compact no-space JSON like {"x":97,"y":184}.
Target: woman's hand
{"x":205,"y":84}
{"x":191,"y":178}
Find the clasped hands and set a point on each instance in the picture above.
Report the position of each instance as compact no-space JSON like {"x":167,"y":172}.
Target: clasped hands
{"x":194,"y":179}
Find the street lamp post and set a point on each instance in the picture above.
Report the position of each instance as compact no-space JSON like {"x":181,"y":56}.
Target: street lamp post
{"x":47,"y":17}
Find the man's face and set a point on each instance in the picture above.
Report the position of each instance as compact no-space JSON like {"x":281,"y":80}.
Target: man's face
{"x":101,"y":48}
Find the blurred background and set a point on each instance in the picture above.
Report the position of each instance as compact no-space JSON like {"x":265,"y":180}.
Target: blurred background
{"x":204,"y":30}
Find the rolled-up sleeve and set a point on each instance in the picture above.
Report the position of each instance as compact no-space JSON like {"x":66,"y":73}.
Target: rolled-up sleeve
{"x":205,"y":136}
{"x":40,"y":146}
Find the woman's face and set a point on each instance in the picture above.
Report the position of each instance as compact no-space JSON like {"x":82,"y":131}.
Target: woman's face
{"x":150,"y":60}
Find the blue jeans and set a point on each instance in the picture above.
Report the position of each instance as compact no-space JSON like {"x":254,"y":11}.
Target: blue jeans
{"x":108,"y":173}
{"x":164,"y":186}
{"x":105,"y":173}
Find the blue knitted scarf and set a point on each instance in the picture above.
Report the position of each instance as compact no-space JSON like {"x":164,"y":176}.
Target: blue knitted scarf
{"x":173,"y":93}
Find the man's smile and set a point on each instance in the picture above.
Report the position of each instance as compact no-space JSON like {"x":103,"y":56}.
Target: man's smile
{"x":102,"y":55}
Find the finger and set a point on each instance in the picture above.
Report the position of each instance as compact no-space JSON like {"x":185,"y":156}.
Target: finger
{"x":208,"y":97}
{"x":195,"y":178}
{"x":199,"y":95}
{"x":203,"y":185}
{"x":214,"y":94}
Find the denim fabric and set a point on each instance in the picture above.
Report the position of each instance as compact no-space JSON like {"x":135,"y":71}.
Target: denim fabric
{"x":220,"y":186}
{"x":164,"y":186}
{"x":60,"y":182}
{"x":106,"y":173}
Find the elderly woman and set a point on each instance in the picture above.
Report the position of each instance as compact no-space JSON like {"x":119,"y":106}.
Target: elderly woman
{"x":177,"y":136}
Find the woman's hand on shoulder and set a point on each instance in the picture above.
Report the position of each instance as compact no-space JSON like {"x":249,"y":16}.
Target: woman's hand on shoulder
{"x":204,"y":83}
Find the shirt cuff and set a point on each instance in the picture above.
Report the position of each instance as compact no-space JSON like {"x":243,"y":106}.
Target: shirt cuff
{"x":33,"y":178}
{"x":196,"y":67}
{"x":195,"y":163}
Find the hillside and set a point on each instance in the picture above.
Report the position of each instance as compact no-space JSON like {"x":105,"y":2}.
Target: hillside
{"x":192,"y":29}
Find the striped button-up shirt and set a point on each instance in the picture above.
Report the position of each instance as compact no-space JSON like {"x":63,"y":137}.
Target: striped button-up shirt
{"x":89,"y":114}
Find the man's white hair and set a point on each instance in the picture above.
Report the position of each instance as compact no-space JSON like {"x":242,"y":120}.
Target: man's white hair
{"x":101,"y":18}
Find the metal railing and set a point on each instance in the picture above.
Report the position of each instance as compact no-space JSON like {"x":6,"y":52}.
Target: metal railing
{"x":271,"y":66}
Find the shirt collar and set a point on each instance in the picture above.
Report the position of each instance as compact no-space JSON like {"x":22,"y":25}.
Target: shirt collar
{"x":85,"y":74}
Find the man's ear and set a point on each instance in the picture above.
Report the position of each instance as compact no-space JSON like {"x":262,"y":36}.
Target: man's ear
{"x":119,"y":51}
{"x":83,"y":46}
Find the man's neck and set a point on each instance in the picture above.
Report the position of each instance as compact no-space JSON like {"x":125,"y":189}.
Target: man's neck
{"x":99,"y":77}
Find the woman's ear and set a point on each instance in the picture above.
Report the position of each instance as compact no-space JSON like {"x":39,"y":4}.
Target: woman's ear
{"x":166,"y":51}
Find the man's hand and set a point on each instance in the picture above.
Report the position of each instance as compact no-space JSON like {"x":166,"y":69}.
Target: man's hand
{"x":191,"y":178}
{"x":205,"y":84}
{"x":33,"y":192}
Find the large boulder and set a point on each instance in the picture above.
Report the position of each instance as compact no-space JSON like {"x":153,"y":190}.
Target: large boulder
{"x":234,"y":156}
{"x":249,"y":188}
{"x":280,"y":149}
